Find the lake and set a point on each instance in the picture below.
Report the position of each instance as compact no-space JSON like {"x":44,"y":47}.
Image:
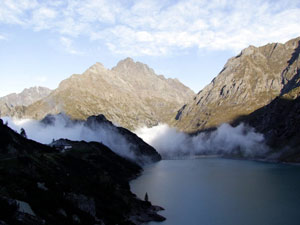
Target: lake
{"x":215,"y":191}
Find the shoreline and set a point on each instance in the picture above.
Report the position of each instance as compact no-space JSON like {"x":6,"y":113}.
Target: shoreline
{"x":263,"y":160}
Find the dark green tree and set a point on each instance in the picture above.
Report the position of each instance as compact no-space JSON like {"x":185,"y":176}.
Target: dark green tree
{"x":146,"y":197}
{"x":23,"y":132}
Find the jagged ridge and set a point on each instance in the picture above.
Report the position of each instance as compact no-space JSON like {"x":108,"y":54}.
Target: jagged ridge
{"x":14,"y":104}
{"x":247,"y":82}
{"x":130,"y":94}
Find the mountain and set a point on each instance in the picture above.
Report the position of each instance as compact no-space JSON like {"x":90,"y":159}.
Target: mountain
{"x":247,"y":82}
{"x":130,"y":94}
{"x":26,"y":97}
{"x":279,"y":121}
{"x":69,"y":183}
{"x":13,"y":104}
{"x":99,"y":129}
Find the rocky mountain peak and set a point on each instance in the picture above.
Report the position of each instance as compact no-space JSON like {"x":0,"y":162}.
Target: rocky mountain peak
{"x":247,"y":82}
{"x":96,"y":68}
{"x":124,"y":64}
{"x":129,"y":67}
{"x":25,"y":98}
{"x":248,"y":51}
{"x":130,"y":94}
{"x":127,"y":60}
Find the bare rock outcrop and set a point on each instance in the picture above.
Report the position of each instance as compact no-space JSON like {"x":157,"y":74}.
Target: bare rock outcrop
{"x":247,"y":82}
{"x":14,"y":104}
{"x":130,"y":94}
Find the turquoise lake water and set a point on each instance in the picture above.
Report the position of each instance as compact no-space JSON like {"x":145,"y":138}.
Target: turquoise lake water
{"x":214,"y":191}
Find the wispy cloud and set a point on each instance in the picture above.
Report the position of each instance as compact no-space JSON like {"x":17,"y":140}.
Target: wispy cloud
{"x":68,"y":46}
{"x":153,"y":27}
{"x":43,"y":18}
{"x":2,"y":37}
{"x":16,"y":11}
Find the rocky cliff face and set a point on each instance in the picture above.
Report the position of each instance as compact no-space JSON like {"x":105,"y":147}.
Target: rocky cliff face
{"x":130,"y":94}
{"x":247,"y":82}
{"x":14,"y":104}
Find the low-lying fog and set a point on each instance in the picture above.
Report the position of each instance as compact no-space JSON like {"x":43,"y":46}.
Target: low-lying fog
{"x":63,"y":127}
{"x":169,"y":142}
{"x":226,"y":139}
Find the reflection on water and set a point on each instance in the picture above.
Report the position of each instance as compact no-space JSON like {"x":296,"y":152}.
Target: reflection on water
{"x":222,"y":192}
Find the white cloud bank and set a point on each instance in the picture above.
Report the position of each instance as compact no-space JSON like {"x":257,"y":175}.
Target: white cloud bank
{"x":158,"y":27}
{"x":170,"y":143}
{"x":63,"y":127}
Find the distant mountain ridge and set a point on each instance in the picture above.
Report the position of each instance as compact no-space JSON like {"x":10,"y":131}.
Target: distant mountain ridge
{"x":26,"y":97}
{"x":130,"y":94}
{"x":249,"y":81}
{"x":13,"y":103}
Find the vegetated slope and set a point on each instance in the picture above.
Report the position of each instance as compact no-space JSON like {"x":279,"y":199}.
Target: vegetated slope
{"x":247,"y":82}
{"x":13,"y":104}
{"x":130,"y":94}
{"x":73,"y":183}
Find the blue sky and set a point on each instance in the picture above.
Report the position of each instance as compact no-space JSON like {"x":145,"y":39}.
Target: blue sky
{"x":44,"y":42}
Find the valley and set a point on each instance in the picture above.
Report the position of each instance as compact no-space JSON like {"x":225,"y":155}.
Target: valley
{"x":97,"y":131}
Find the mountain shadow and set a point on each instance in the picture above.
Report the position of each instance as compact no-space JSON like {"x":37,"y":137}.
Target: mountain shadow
{"x":294,"y":81}
{"x":279,"y":121}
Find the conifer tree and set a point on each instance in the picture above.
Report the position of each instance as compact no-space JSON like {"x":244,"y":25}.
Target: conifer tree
{"x":146,"y":197}
{"x":23,"y":132}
